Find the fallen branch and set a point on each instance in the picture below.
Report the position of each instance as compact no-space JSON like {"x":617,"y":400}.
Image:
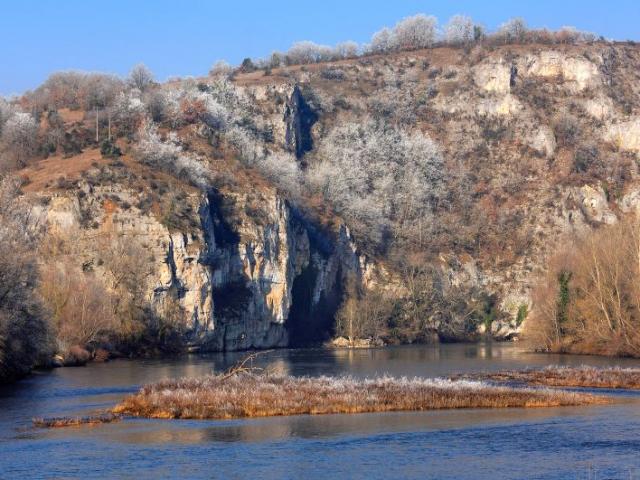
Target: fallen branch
{"x":240,"y":366}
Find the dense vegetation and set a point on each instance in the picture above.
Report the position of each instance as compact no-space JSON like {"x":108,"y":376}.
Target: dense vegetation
{"x":25,"y":335}
{"x":589,"y":301}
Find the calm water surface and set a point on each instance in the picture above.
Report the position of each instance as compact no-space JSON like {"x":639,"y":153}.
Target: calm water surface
{"x":559,"y":443}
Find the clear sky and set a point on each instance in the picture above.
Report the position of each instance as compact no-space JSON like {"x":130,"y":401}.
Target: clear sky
{"x":184,"y":37}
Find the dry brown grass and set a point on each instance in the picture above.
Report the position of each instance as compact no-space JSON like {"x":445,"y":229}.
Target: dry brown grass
{"x":45,"y":172}
{"x":253,"y":395}
{"x":59,"y":422}
{"x":555,"y":376}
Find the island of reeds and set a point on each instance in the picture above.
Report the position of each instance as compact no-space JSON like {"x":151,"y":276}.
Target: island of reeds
{"x":248,"y":394}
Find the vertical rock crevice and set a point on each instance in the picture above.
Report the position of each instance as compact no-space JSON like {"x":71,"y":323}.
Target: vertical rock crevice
{"x":299,"y":118}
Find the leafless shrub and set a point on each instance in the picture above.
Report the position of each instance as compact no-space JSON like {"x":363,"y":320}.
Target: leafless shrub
{"x":80,"y":305}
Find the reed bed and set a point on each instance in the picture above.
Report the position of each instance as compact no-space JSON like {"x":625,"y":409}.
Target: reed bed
{"x":261,"y":395}
{"x":59,"y":422}
{"x":557,"y":376}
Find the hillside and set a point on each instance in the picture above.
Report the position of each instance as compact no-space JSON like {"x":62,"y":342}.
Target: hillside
{"x":400,"y":197}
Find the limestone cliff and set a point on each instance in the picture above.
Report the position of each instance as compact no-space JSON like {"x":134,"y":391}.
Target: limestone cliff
{"x":539,"y":143}
{"x":243,"y":279}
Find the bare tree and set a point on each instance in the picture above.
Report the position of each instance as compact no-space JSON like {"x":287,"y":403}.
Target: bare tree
{"x":80,"y":305}
{"x":140,"y":77}
{"x":19,"y":139}
{"x":418,"y":31}
{"x":347,"y":49}
{"x":589,"y":302}
{"x":513,"y":30}
{"x":459,"y":30}
{"x":221,"y":68}
{"x":308,"y":52}
{"x":381,"y":41}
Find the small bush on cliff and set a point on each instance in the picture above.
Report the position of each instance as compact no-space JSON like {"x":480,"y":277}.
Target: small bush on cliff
{"x":108,"y":148}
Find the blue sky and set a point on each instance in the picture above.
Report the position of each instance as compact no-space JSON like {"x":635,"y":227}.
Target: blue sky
{"x":179,"y":38}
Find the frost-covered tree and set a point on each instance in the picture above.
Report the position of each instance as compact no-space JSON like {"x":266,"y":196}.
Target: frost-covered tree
{"x":6,"y":111}
{"x":347,"y":49}
{"x":283,"y":170}
{"x":140,"y":77}
{"x":459,"y":30}
{"x":381,"y":41}
{"x":308,"y":52}
{"x":380,"y":178}
{"x":128,"y":112}
{"x":418,"y":31}
{"x":513,"y":30}
{"x":19,"y":139}
{"x":169,"y":155}
{"x":221,"y":68}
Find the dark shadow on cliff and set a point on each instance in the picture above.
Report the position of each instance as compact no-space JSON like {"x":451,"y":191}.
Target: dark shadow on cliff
{"x":311,"y":323}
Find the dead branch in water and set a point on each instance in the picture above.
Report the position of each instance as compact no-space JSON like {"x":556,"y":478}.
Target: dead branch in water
{"x":241,"y":365}
{"x":59,"y":422}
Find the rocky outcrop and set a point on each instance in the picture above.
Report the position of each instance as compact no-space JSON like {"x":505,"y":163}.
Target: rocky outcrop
{"x":625,"y":135}
{"x":576,"y":72}
{"x":595,"y":206}
{"x":243,"y":279}
{"x":494,"y":76}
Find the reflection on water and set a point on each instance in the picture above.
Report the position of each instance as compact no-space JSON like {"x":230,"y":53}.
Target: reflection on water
{"x":599,"y":441}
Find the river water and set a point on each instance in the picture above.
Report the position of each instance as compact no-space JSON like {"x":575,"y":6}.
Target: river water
{"x":557,"y":443}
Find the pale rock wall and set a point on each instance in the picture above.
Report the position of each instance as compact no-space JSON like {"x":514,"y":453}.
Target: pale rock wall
{"x":493,"y":76}
{"x":234,"y":284}
{"x":625,"y":135}
{"x":577,"y":73}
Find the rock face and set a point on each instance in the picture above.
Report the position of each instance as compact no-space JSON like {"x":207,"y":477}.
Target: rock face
{"x":577,"y":73}
{"x":493,"y":76}
{"x":259,"y":279}
{"x":625,"y":135}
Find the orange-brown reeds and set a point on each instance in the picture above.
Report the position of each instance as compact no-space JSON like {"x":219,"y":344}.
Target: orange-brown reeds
{"x":556,"y":376}
{"x":253,"y":395}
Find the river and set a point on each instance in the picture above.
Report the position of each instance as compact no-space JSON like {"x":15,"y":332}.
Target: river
{"x":556,"y":443}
